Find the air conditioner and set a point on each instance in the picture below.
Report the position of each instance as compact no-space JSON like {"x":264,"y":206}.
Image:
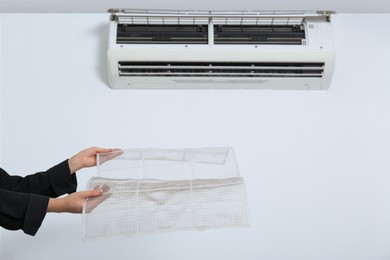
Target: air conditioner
{"x":221,"y":50}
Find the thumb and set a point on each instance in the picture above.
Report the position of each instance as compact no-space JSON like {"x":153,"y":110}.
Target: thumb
{"x":91,"y":193}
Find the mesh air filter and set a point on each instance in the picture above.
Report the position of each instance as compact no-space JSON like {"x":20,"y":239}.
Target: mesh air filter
{"x":153,"y":190}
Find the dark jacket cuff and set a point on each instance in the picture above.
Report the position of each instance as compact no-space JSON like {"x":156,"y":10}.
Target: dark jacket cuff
{"x":61,"y":180}
{"x":35,"y":213}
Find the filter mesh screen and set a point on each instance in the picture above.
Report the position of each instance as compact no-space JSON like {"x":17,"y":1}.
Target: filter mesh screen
{"x":132,"y":206}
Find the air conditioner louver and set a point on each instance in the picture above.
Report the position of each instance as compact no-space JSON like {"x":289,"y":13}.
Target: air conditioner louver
{"x":220,"y":69}
{"x":182,"y":49}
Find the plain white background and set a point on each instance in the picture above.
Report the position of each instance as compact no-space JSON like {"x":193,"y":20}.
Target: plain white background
{"x":101,"y":6}
{"x":316,"y":163}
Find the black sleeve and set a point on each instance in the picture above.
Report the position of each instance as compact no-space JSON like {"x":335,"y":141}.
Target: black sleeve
{"x":53,"y":183}
{"x":24,"y":201}
{"x":24,"y":211}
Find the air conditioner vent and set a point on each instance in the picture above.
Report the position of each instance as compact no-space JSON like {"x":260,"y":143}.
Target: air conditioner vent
{"x":221,"y":69}
{"x":161,"y":34}
{"x":259,"y":34}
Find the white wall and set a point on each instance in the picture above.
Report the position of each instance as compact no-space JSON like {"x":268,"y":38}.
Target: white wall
{"x":89,"y":6}
{"x":316,"y":163}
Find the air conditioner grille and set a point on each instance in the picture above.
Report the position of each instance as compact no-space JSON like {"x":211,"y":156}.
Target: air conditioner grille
{"x":222,"y":69}
{"x":259,"y":34}
{"x":161,"y":34}
{"x":198,"y":34}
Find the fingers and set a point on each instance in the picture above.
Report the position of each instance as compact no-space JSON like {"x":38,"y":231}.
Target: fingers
{"x":103,"y":188}
{"x":104,"y":157}
{"x":87,"y":157}
{"x":92,"y":193}
{"x":95,"y":150}
{"x":93,"y":202}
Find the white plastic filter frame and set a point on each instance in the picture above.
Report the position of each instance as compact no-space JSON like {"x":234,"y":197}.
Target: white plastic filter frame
{"x":161,"y":190}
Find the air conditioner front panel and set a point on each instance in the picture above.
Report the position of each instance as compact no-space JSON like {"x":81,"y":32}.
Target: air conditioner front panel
{"x":186,"y":67}
{"x":217,"y":83}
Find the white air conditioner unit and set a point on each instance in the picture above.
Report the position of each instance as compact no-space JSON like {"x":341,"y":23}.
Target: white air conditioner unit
{"x":221,"y":50}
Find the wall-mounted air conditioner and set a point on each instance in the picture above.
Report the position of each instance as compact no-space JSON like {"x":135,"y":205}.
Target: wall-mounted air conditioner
{"x":197,"y":50}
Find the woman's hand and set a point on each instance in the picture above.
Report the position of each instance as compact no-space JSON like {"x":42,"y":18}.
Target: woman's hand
{"x":74,"y":202}
{"x":85,"y":158}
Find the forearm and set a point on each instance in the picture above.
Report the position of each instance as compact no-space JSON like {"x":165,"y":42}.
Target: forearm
{"x":61,"y":205}
{"x":75,"y":164}
{"x":72,"y":203}
{"x":56,"y":205}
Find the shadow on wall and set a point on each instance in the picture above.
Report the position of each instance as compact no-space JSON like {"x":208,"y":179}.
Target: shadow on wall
{"x":101,"y":32}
